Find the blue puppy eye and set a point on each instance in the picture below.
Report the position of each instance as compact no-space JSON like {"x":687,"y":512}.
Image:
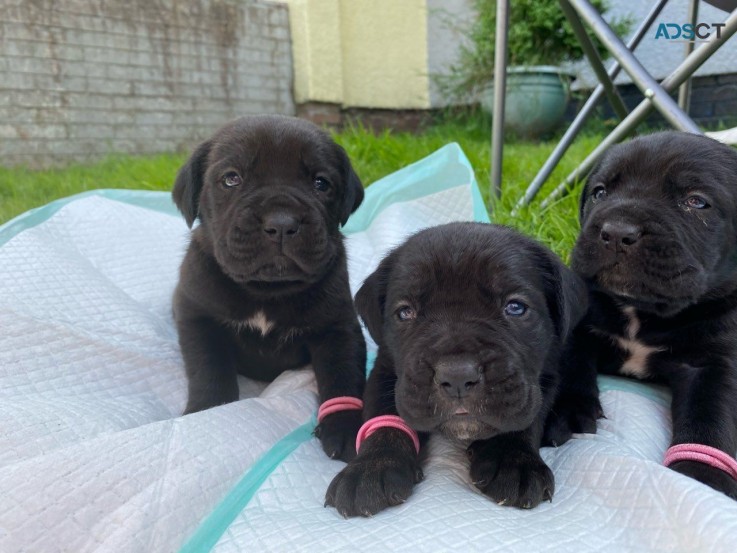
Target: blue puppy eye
{"x":696,"y":202}
{"x":515,"y":308}
{"x":321,"y":184}
{"x":406,"y":313}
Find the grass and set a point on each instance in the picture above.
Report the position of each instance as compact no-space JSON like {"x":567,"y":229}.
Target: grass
{"x":373,"y":156}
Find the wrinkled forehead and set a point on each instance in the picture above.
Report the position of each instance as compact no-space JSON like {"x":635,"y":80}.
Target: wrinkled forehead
{"x":670,"y":161}
{"x":467,"y":275}
{"x":274,"y":149}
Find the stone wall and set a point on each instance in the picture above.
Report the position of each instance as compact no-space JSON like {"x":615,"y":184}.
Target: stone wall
{"x":83,"y":78}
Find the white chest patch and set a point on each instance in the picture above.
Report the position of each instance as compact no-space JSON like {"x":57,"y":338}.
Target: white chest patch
{"x":636,"y":364}
{"x":256,"y":322}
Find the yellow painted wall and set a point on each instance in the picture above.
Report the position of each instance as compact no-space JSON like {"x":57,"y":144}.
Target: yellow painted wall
{"x":361,"y":53}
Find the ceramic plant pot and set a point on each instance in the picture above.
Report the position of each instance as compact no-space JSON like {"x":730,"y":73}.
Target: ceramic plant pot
{"x":536,"y":99}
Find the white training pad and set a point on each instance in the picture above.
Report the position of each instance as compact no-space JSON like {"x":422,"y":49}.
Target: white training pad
{"x":94,"y":455}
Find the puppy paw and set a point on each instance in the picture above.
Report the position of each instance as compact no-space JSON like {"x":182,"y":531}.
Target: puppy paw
{"x":571,"y":414}
{"x":513,"y":477}
{"x":372,"y":482}
{"x":706,"y":474}
{"x":337,"y":433}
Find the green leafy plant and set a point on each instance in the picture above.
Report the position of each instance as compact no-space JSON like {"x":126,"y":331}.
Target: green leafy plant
{"x":539,"y":34}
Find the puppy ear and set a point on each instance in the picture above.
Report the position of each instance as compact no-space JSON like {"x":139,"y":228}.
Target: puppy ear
{"x":371,"y":299}
{"x":568,"y":298}
{"x":582,"y":200}
{"x":353,"y":193}
{"x":189,"y":181}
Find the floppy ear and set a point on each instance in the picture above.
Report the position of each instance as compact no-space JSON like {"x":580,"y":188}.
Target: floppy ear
{"x":582,"y":200}
{"x":371,"y":298}
{"x":568,"y":297}
{"x":189,"y":181}
{"x":353,"y":193}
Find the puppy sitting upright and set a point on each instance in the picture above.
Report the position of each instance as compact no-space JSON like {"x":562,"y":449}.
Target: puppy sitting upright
{"x":264,"y":284}
{"x":658,"y":246}
{"x":469,"y":319}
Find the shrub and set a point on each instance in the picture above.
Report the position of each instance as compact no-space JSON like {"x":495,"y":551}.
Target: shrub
{"x":539,"y":34}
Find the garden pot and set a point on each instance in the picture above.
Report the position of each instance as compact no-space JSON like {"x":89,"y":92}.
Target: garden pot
{"x":536,"y":99}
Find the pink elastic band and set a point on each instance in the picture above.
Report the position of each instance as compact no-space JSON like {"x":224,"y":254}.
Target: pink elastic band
{"x":386,"y":421}
{"x":342,"y":403}
{"x":702,"y":454}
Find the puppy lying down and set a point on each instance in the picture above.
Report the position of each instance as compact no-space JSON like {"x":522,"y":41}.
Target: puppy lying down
{"x":470,"y":319}
{"x":658,"y":249}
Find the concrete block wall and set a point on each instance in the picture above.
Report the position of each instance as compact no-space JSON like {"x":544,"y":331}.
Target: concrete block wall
{"x":83,"y":78}
{"x":713,"y":103}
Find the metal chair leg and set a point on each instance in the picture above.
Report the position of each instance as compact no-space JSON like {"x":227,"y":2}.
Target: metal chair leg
{"x":684,"y":91}
{"x":500,"y":89}
{"x":644,"y":81}
{"x":637,"y":115}
{"x":594,"y":59}
{"x":572,"y":131}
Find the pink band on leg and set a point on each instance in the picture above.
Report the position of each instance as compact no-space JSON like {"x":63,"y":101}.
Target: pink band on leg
{"x":386,"y":421}
{"x":702,"y":454}
{"x":342,"y":403}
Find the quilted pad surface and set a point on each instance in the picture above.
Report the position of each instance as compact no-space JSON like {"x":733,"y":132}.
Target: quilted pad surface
{"x":94,"y":455}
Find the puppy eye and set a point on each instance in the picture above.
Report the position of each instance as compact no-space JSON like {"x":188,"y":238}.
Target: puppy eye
{"x":231,"y":179}
{"x":406,"y":313}
{"x":515,"y":308}
{"x":696,"y":202}
{"x":598,"y":193}
{"x":321,"y":184}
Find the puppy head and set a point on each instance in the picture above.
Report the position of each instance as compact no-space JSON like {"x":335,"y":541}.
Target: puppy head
{"x":659,"y":222}
{"x":270,"y":193}
{"x":470,"y":314}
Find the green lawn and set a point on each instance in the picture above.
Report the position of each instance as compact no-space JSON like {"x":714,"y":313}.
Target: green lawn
{"x":373,"y":156}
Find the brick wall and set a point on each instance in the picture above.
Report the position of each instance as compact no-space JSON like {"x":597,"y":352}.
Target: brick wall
{"x":82,"y":78}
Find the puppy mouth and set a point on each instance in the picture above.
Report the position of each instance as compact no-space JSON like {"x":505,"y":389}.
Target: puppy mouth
{"x":467,"y":421}
{"x":669,"y":290}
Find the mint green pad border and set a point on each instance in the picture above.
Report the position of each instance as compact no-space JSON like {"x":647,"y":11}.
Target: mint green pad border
{"x":148,"y":199}
{"x":446,"y":168}
{"x":213,"y":527}
{"x":443,"y":169}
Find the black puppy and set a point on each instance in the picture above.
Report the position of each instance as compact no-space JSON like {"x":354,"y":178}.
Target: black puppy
{"x":264,"y":284}
{"x":658,"y":246}
{"x":469,"y":319}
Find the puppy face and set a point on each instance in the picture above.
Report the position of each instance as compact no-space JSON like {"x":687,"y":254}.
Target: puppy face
{"x":270,"y":193}
{"x":469,"y":313}
{"x":659,"y":222}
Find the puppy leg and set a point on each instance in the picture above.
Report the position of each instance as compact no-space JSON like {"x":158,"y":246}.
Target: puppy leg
{"x":339,"y":362}
{"x":209,"y":361}
{"x":508,"y":468}
{"x":577,"y":405}
{"x":704,"y":411}
{"x":387,"y":467}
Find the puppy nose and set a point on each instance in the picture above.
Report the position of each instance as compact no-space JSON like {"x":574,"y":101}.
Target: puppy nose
{"x":457,"y":375}
{"x":280,"y":225}
{"x":620,"y":233}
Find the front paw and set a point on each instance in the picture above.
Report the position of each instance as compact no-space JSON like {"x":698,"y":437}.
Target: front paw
{"x":511,"y":476}
{"x":571,"y":413}
{"x":372,"y":482}
{"x":706,"y":474}
{"x":337,"y":433}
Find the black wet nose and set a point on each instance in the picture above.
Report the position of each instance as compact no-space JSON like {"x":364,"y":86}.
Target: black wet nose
{"x":620,"y":233}
{"x":457,"y":375}
{"x":280,"y":225}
